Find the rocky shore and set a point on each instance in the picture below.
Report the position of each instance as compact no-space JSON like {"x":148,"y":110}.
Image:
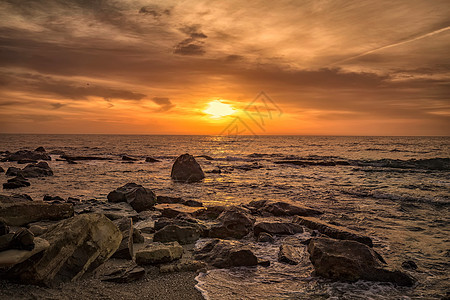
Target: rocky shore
{"x":141,"y":245}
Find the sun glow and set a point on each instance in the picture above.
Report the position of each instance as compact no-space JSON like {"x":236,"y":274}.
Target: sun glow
{"x":218,"y":109}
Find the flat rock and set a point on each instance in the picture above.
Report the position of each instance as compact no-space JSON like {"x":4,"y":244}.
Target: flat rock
{"x":348,"y":260}
{"x":22,"y":213}
{"x":333,"y":231}
{"x":277,"y":228}
{"x":173,"y":210}
{"x":279,"y":208}
{"x":157,"y":253}
{"x":186,"y":169}
{"x":12,"y":257}
{"x":181,"y":234}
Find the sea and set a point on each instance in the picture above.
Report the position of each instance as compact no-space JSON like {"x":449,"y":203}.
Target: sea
{"x":394,"y":189}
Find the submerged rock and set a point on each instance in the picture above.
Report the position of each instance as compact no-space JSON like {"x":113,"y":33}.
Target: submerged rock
{"x":333,"y":231}
{"x":266,"y":207}
{"x":277,"y":228}
{"x":157,"y":253}
{"x":77,"y":245}
{"x":22,"y":213}
{"x":40,"y":169}
{"x":181,"y":234}
{"x":226,"y":254}
{"x":136,"y":195}
{"x":351,"y":261}
{"x":127,"y":158}
{"x":233,"y":222}
{"x":186,"y":169}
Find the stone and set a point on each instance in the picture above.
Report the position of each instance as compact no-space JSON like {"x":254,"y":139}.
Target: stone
{"x":183,"y":266}
{"x":193,"y":203}
{"x":120,"y":275}
{"x":57,"y":152}
{"x":112,"y":211}
{"x":174,"y":210}
{"x":15,"y":198}
{"x":281,"y":209}
{"x":136,"y":195}
{"x":39,"y":149}
{"x":27,"y":154}
{"x":277,"y":228}
{"x":38,"y":230}
{"x":146,"y":226}
{"x":348,"y":260}
{"x":157,"y":253}
{"x":138,"y":238}
{"x":2,"y":170}
{"x":127,"y":158}
{"x":206,"y":157}
{"x":169,"y":200}
{"x":289,"y":254}
{"x":52,"y":198}
{"x":265,"y":237}
{"x":186,"y":169}
{"x":181,"y":234}
{"x":13,"y":171}
{"x":40,"y":169}
{"x":125,"y":249}
{"x":333,"y":231}
{"x":233,"y":222}
{"x":225,"y":254}
{"x":409,"y":265}
{"x":16,"y":182}
{"x":4,"y":229}
{"x":151,"y":160}
{"x":77,"y":245}
{"x":210,"y":213}
{"x":22,"y":213}
{"x":12,"y":257}
{"x":26,"y":161}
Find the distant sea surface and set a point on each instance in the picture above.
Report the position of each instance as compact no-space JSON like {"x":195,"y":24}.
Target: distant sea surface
{"x":394,"y":189}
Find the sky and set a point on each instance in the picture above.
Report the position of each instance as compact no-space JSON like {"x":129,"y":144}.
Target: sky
{"x":305,"y":67}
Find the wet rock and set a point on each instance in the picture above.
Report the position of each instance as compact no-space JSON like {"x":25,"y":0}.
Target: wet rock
{"x":39,"y":149}
{"x":157,"y":253}
{"x":186,"y":169}
{"x":193,"y":203}
{"x":77,"y":245}
{"x":210,"y":213}
{"x":265,"y":237}
{"x":226,"y":254}
{"x":409,"y":265}
{"x":174,"y":210}
{"x":52,"y":198}
{"x":206,"y":157}
{"x":40,"y":169}
{"x":13,"y":171}
{"x":28,"y":155}
{"x":127,"y":158}
{"x":15,"y":183}
{"x":277,"y":228}
{"x":182,"y":221}
{"x":125,"y":249}
{"x":349,"y":260}
{"x":181,"y":234}
{"x":146,"y":226}
{"x":169,"y":200}
{"x":12,"y":257}
{"x":233,"y":222}
{"x":22,"y":213}
{"x":151,"y":160}
{"x":112,"y":211}
{"x":121,"y":275}
{"x":333,"y":231}
{"x":136,"y":195}
{"x":138,"y":238}
{"x":183,"y":266}
{"x":26,"y":161}
{"x":266,"y":207}
{"x":289,"y":254}
{"x":15,"y":198}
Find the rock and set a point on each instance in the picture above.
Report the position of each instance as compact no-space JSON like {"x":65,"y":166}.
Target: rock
{"x":193,"y":203}
{"x":13,"y":257}
{"x":125,"y":249}
{"x":112,"y":211}
{"x":409,"y":265}
{"x":349,"y":260}
{"x":16,"y":182}
{"x":77,"y":245}
{"x":186,"y":169}
{"x":183,"y":266}
{"x":127,"y":158}
{"x":13,"y":171}
{"x":234,"y":222}
{"x":151,"y":160}
{"x":146,"y":226}
{"x":37,"y":170}
{"x":333,"y":231}
{"x":277,"y":228}
{"x":22,"y":213}
{"x":138,"y":238}
{"x":157,"y":253}
{"x":265,"y":237}
{"x":52,"y":198}
{"x":169,"y":200}
{"x":289,"y":254}
{"x":57,"y":152}
{"x":136,"y":195}
{"x":266,"y":207}
{"x":121,"y":275}
{"x":181,"y":221}
{"x":28,"y":155}
{"x":39,"y":149}
{"x":4,"y":229}
{"x":15,"y":198}
{"x":226,"y":254}
{"x":26,"y":161}
{"x":211,"y":212}
{"x":206,"y":157}
{"x":23,"y":239}
{"x":77,"y":158}
{"x":38,"y":230}
{"x":181,"y":234}
{"x":174,"y":210}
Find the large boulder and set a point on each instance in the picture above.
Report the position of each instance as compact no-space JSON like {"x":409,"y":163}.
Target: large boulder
{"x":77,"y":245}
{"x":181,"y":234}
{"x":233,"y":222}
{"x":125,"y":249}
{"x":136,"y":195}
{"x":333,"y":231}
{"x":28,"y":155}
{"x":277,"y":228}
{"x":348,"y":260}
{"x":225,"y":254}
{"x":186,"y":169}
{"x":22,"y":213}
{"x":279,"y":208}
{"x":157,"y":253}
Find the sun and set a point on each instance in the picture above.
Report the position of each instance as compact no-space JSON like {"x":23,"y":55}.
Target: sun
{"x":218,"y":109}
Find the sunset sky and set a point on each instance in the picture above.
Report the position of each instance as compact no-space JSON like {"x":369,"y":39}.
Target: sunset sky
{"x":155,"y":67}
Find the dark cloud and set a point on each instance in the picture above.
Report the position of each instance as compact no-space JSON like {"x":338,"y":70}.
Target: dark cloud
{"x":194,"y":44}
{"x":57,"y":105}
{"x":164,"y":103}
{"x":154,"y":11}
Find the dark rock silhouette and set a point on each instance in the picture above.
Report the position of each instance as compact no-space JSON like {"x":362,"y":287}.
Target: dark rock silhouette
{"x":186,"y":169}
